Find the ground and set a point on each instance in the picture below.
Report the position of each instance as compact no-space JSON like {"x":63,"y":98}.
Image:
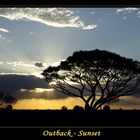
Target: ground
{"x":69,"y":118}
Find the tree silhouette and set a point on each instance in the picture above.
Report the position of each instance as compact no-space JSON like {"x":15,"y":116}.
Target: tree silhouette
{"x":78,"y":108}
{"x":64,"y":108}
{"x":6,"y":101}
{"x":106,"y":107}
{"x":97,"y":77}
{"x":9,"y":107}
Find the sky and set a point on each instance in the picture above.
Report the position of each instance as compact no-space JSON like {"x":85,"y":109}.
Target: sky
{"x":31,"y":39}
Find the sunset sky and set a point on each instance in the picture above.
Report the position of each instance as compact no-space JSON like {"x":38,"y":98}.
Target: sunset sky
{"x":31,"y":39}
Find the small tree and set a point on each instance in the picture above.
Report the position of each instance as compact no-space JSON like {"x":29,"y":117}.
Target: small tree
{"x":6,"y":101}
{"x":78,"y":108}
{"x":106,"y":107}
{"x":97,"y":77}
{"x":9,"y":107}
{"x":64,"y":108}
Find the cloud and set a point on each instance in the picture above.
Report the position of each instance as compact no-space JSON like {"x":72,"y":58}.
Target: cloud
{"x":92,"y":13}
{"x":32,"y":64}
{"x":124,"y":18}
{"x":4,"y":30}
{"x":138,"y":14}
{"x":3,"y":73}
{"x":38,"y":64}
{"x":27,"y":87}
{"x":126,"y":10}
{"x":55,"y":17}
{"x":20,"y":63}
{"x":57,"y":62}
{"x":1,"y":63}
{"x":23,"y":67}
{"x":89,"y":27}
{"x":13,"y":83}
{"x":2,"y":38}
{"x":32,"y":33}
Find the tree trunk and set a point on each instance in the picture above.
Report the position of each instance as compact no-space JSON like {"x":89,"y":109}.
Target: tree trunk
{"x":87,"y":106}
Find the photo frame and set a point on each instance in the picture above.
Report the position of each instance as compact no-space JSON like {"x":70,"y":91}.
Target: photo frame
{"x":102,"y":124}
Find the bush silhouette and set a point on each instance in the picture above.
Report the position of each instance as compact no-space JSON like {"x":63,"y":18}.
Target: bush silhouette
{"x":64,"y":108}
{"x":78,"y":108}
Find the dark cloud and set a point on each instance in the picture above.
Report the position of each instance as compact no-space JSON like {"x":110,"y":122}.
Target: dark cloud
{"x":12,"y":84}
{"x":28,"y":87}
{"x":42,"y":95}
{"x":38,"y":64}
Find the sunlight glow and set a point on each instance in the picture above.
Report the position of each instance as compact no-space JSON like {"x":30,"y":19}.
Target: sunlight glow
{"x":42,"y":90}
{"x":37,"y":90}
{"x":70,"y":102}
{"x":47,"y":104}
{"x":67,"y":81}
{"x":57,"y":63}
{"x":38,"y":74}
{"x":13,"y":73}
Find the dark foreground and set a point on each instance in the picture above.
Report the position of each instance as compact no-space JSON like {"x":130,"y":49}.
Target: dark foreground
{"x":69,"y":118}
{"x":58,"y":124}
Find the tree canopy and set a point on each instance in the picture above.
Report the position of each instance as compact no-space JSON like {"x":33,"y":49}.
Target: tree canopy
{"x":96,"y":76}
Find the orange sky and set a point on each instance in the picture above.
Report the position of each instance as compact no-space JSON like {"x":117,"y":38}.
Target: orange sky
{"x":47,"y":104}
{"x":125,"y":103}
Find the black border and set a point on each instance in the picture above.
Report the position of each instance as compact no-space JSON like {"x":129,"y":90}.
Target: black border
{"x":26,"y":124}
{"x":69,"y":3}
{"x":30,"y":125}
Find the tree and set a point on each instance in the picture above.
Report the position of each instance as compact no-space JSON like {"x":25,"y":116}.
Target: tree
{"x":64,"y":108}
{"x":78,"y":108}
{"x":9,"y":107}
{"x":97,"y":77}
{"x":106,"y":107}
{"x":6,"y":101}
